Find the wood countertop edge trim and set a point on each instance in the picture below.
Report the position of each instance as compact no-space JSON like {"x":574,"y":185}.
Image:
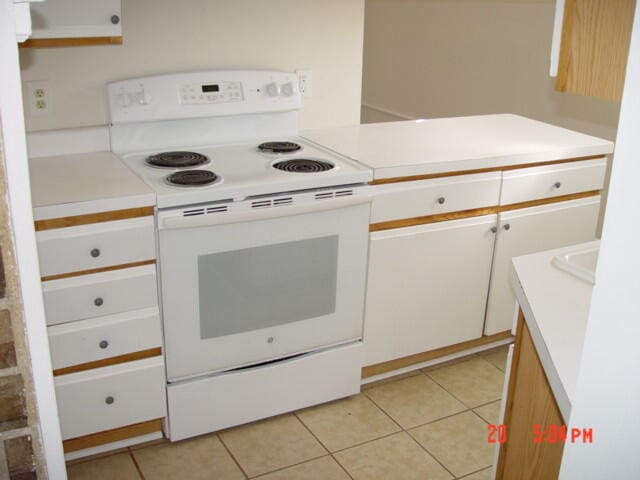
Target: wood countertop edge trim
{"x":100,"y":217}
{"x":105,"y":362}
{"x":411,"y":178}
{"x":113,"y":435}
{"x":389,"y":366}
{"x":476,"y":212}
{"x":97,"y":270}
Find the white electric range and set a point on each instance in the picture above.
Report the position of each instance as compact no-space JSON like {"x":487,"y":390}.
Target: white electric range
{"x":262,"y":240}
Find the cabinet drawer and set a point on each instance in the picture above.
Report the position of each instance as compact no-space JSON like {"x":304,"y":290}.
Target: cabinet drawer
{"x":430,"y":197}
{"x":111,"y":397}
{"x":104,"y":337}
{"x":534,"y":183}
{"x":98,"y":294}
{"x":98,"y":245}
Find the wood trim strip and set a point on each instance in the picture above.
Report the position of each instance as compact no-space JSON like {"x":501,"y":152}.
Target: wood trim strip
{"x":97,"y":270}
{"x":110,"y":436}
{"x":530,"y":402}
{"x":70,"y":42}
{"x":382,"y":181}
{"x":440,"y":217}
{"x":384,"y":367}
{"x":100,"y":217}
{"x":564,"y":60}
{"x":515,"y":360}
{"x":547,"y":201}
{"x":105,"y":362}
{"x":476,"y":212}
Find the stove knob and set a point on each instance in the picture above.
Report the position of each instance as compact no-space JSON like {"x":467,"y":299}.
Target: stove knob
{"x":287,"y":89}
{"x":124,"y":100}
{"x":273,"y":89}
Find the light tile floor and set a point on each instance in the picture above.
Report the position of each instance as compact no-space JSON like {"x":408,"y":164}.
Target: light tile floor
{"x":429,"y":424}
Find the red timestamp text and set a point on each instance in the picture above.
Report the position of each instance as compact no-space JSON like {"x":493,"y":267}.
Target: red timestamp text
{"x":544,"y":434}
{"x":561,"y":433}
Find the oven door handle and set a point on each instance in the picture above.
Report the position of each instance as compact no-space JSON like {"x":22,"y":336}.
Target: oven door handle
{"x":223,"y":218}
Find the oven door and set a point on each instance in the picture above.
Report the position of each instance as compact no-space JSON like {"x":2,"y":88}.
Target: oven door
{"x":243,"y":288}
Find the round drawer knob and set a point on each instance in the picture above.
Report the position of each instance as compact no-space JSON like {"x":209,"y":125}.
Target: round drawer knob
{"x":506,"y":226}
{"x":270,"y":340}
{"x":109,"y":400}
{"x":115,"y":19}
{"x":98,"y":302}
{"x":103,"y":344}
{"x":557,"y":184}
{"x":441,"y":200}
{"x":494,"y":229}
{"x":95,"y":252}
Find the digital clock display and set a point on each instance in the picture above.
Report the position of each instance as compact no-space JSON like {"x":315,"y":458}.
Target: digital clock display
{"x":210,"y":88}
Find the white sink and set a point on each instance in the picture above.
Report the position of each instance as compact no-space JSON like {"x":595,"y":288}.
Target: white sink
{"x":580,"y":262}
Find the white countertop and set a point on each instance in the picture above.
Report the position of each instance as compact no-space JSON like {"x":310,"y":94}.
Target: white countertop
{"x":418,"y":147}
{"x":556,"y":307}
{"x":78,"y":184}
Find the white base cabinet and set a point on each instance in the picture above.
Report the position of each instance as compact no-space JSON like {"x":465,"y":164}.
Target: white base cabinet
{"x":427,"y":287}
{"x":531,"y":230}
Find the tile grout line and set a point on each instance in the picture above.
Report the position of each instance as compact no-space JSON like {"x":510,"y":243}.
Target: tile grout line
{"x":344,"y":469}
{"x":473,"y":473}
{"x":135,"y":462}
{"x":295,"y":414}
{"x":235,"y":460}
{"x":430,"y":454}
{"x":383,"y":411}
{"x":450,"y":393}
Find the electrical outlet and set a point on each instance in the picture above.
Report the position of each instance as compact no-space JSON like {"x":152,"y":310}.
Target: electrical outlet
{"x":38,"y":98}
{"x":305,"y":82}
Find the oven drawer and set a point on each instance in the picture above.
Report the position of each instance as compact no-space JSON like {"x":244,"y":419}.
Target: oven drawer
{"x":525,"y":184}
{"x":97,"y":245}
{"x":221,"y":401}
{"x":98,"y":294}
{"x":104,"y":337}
{"x":434,"y":196}
{"x":111,"y":397}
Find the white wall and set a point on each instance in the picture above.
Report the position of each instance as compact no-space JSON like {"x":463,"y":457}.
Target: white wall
{"x":168,"y":35}
{"x":439,"y":58}
{"x":607,"y":396}
{"x":18,"y":196}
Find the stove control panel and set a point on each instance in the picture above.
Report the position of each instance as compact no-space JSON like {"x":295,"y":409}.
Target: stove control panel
{"x":202,"y":94}
{"x":199,"y":93}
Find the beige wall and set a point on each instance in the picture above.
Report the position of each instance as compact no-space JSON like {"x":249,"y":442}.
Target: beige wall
{"x":168,"y":35}
{"x":438,"y":58}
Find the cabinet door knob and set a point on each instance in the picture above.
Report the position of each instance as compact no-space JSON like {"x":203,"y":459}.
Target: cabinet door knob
{"x":103,"y":344}
{"x":98,"y":302}
{"x":95,"y":252}
{"x":109,"y":400}
{"x":115,"y":19}
{"x":557,"y":184}
{"x":506,"y":226}
{"x":441,"y":200}
{"x":494,"y":229}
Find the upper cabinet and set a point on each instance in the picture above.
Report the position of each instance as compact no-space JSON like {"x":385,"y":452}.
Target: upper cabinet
{"x":65,"y":23}
{"x":593,"y":39}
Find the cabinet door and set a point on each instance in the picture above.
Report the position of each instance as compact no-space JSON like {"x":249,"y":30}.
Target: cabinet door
{"x":531,"y":230}
{"x":427,"y":287}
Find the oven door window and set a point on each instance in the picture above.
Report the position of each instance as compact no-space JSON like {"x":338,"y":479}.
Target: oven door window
{"x":254,"y":288}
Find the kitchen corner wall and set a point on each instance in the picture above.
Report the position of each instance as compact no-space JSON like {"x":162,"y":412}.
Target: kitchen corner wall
{"x":442,"y":58}
{"x":169,"y":36}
